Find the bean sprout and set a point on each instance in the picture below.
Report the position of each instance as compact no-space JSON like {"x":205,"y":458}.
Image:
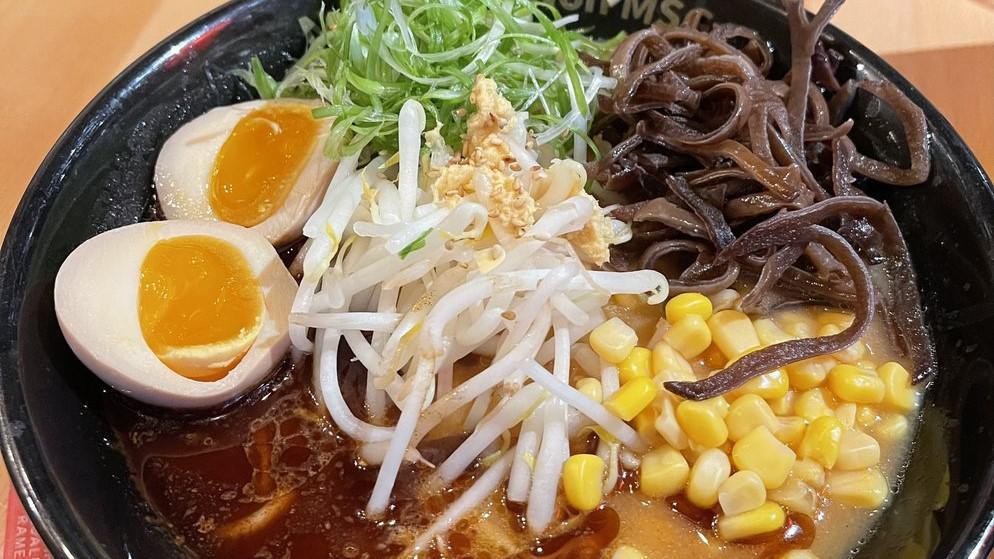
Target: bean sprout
{"x":416,"y":272}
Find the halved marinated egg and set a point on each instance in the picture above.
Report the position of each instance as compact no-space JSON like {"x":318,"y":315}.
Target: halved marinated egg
{"x":258,"y":164}
{"x":180,"y":314}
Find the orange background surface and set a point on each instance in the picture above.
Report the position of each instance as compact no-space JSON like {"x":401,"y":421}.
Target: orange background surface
{"x":57,"y":54}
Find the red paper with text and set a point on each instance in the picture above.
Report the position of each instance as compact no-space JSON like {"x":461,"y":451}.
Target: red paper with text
{"x":21,"y":540}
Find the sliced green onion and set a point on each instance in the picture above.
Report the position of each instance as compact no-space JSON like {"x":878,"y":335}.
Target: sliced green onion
{"x":416,"y":244}
{"x":371,"y":56}
{"x":582,"y":134}
{"x":261,"y":81}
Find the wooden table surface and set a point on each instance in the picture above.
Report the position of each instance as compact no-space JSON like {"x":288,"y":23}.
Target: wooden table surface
{"x":59,"y":53}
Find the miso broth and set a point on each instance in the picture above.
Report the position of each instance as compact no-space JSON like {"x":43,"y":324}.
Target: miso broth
{"x":270,"y":477}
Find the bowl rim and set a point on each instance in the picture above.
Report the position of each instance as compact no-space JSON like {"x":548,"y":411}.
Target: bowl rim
{"x":63,"y":536}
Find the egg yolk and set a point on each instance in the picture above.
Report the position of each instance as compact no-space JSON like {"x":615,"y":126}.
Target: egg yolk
{"x":260,"y":162}
{"x":199,"y":305}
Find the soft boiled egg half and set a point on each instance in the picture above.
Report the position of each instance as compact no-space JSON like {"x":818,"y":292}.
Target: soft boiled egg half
{"x":258,"y":164}
{"x":180,"y":314}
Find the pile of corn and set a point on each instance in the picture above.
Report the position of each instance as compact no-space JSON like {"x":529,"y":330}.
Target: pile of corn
{"x":786,"y":441}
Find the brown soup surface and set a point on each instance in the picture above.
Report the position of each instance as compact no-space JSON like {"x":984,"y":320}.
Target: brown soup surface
{"x":270,"y":477}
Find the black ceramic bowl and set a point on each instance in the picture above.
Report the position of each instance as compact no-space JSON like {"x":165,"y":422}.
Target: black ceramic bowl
{"x":58,"y":445}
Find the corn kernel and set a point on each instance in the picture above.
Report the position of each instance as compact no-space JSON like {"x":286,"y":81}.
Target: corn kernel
{"x":645,"y":425}
{"x":790,"y":430}
{"x":846,"y":414}
{"x":633,"y":397}
{"x":724,"y":299}
{"x":688,"y":303}
{"x":857,"y":451}
{"x":761,"y":452}
{"x":810,"y":472}
{"x":798,"y":554}
{"x":663,"y":473}
{"x":668,"y":426}
{"x":866,"y":416}
{"x":770,"y":386}
{"x":822,"y":440}
{"x":785,"y":404}
{"x":742,"y":492}
{"x":591,"y":388}
{"x":892,"y":428}
{"x":853,"y":384}
{"x":748,"y":412}
{"x":769,"y":332}
{"x":812,"y":404}
{"x":690,"y":336}
{"x":852,"y":354}
{"x":668,"y":364}
{"x":800,"y":330}
{"x":864,"y":488}
{"x":835,"y":318}
{"x":767,"y":518}
{"x":796,"y":496}
{"x":810,"y":373}
{"x":627,"y":552}
{"x":702,"y":422}
{"x":720,"y":405}
{"x":706,"y":475}
{"x":694,"y":450}
{"x":637,"y":364}
{"x":797,"y":323}
{"x":733,"y":333}
{"x":582,"y":475}
{"x":613,"y":340}
{"x":898,"y":393}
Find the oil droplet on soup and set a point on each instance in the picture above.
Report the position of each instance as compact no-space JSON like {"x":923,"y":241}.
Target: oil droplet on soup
{"x":260,"y":161}
{"x":200,"y":306}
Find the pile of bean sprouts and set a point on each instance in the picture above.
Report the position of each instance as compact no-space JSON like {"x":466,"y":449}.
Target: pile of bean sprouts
{"x":410,"y":284}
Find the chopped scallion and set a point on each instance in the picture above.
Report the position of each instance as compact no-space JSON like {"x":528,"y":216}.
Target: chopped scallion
{"x":263,"y":82}
{"x":416,"y":244}
{"x":371,"y":56}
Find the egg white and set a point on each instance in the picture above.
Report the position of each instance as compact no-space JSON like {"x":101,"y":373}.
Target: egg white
{"x":96,"y":302}
{"x":186,"y":161}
